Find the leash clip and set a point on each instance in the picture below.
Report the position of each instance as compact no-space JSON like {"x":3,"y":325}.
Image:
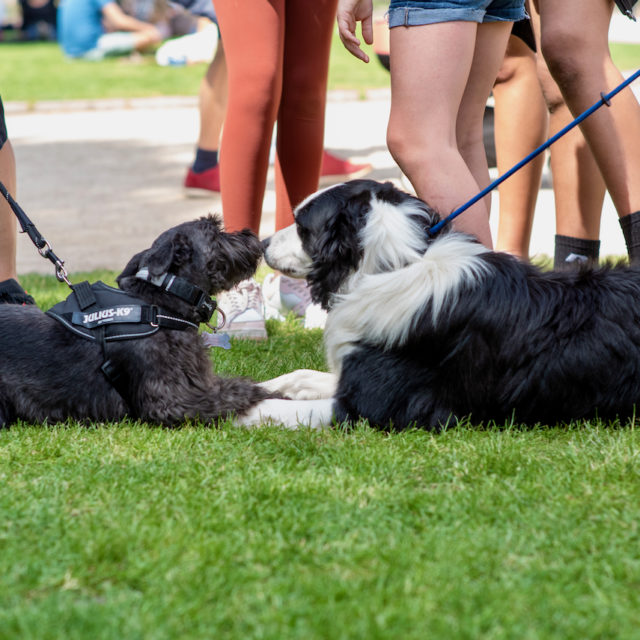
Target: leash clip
{"x":218,"y":326}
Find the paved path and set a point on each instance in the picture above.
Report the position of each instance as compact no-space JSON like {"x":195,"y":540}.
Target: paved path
{"x":102,"y":180}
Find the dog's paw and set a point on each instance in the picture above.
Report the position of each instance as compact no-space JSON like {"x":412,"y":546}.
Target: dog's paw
{"x":291,"y":414}
{"x":303,"y":384}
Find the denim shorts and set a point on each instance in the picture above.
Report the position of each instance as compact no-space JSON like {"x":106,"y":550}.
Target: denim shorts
{"x":411,"y":13}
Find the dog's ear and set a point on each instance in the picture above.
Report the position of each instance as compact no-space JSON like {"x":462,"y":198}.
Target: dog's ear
{"x":133,"y":266}
{"x":173,"y":252}
{"x":337,"y":251}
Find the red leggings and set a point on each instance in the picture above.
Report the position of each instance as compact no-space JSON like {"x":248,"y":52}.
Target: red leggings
{"x":278,"y":59}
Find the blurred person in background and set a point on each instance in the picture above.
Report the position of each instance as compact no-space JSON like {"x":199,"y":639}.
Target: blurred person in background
{"x":95,"y":29}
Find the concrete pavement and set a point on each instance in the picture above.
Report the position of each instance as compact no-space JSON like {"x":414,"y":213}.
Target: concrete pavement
{"x":102,"y":179}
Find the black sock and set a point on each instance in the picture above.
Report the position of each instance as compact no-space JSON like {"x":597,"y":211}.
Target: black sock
{"x":204,"y":160}
{"x":571,"y":253}
{"x":630,"y":226}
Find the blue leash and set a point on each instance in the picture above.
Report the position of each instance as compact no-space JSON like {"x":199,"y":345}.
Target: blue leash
{"x":605,"y":99}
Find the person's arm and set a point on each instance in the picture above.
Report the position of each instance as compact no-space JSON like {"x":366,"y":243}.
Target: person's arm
{"x":350,"y":12}
{"x":117,"y":20}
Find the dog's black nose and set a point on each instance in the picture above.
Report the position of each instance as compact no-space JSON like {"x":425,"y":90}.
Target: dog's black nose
{"x":265,"y":244}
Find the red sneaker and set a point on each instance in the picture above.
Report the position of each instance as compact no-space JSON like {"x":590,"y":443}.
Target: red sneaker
{"x":336,"y":169}
{"x":202,"y":185}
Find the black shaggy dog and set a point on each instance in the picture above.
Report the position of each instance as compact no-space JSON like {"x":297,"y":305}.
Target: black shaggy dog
{"x":422,"y":330}
{"x":84,"y":364}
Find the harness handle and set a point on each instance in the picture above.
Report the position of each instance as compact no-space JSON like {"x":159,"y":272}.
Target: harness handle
{"x":43,"y":247}
{"x":605,"y":99}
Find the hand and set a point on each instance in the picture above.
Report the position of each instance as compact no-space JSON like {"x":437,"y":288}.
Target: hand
{"x":350,"y":12}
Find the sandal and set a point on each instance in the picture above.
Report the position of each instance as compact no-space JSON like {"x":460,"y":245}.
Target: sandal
{"x":12,"y":293}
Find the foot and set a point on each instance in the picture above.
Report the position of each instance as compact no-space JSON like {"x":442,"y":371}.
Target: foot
{"x":12,"y":293}
{"x":282,"y":295}
{"x":202,"y":185}
{"x":243,"y":309}
{"x":336,"y":169}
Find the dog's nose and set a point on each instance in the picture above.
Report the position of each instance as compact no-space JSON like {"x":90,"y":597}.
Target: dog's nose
{"x":265,"y":244}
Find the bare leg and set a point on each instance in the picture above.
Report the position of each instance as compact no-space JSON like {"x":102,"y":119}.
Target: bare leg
{"x":574,"y":36}
{"x":423,"y":133}
{"x":212,"y":101}
{"x":491,"y":44}
{"x":520,"y":127}
{"x":578,"y":186}
{"x":8,"y":224}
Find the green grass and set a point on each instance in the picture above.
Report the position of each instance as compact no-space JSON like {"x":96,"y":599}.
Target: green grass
{"x":132,"y":531}
{"x":39,"y":71}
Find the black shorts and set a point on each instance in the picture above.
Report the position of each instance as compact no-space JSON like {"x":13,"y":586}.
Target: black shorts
{"x":522,"y":29}
{"x":3,"y":126}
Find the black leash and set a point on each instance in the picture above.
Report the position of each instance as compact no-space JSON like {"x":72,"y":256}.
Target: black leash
{"x":44,"y":248}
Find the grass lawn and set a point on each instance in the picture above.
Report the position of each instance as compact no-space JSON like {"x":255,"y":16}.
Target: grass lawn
{"x":128,"y":531}
{"x":132,"y":531}
{"x":39,"y":71}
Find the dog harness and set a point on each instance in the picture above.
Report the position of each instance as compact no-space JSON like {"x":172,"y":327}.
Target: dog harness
{"x":100,"y":313}
{"x":103,"y":314}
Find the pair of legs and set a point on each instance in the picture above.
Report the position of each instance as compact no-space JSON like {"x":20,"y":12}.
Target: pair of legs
{"x":573,"y":38}
{"x":441,"y":77}
{"x":277,"y":54}
{"x":520,"y":125}
{"x":203,"y":177}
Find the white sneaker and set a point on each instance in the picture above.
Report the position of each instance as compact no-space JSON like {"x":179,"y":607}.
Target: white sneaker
{"x":271,"y":297}
{"x":243,"y":309}
{"x":283,"y":294}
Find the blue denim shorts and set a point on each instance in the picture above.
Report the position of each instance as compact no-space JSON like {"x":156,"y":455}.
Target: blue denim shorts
{"x":411,"y":13}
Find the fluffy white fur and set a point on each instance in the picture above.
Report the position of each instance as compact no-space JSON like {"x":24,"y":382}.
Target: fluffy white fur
{"x":382,"y":306}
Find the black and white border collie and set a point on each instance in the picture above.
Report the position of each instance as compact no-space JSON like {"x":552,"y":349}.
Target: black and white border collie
{"x":426,"y":330}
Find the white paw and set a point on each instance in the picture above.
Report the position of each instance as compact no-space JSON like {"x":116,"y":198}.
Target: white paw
{"x":303,"y":384}
{"x":292,"y":414}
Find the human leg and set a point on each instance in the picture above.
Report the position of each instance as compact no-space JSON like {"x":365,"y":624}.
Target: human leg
{"x":212,"y":101}
{"x":254,"y":45}
{"x":520,"y":124}
{"x":10,"y":290}
{"x":574,"y":39}
{"x":302,"y":107}
{"x":428,"y":60}
{"x":8,"y":223}
{"x":577,"y":182}
{"x":204,"y":175}
{"x":488,"y":56}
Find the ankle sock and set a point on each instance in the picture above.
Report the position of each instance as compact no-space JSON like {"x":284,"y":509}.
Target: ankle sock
{"x":571,"y":253}
{"x":630,"y":226}
{"x":205,"y":160}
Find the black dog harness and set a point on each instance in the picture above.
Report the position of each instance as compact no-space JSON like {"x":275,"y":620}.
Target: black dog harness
{"x":103,"y":314}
